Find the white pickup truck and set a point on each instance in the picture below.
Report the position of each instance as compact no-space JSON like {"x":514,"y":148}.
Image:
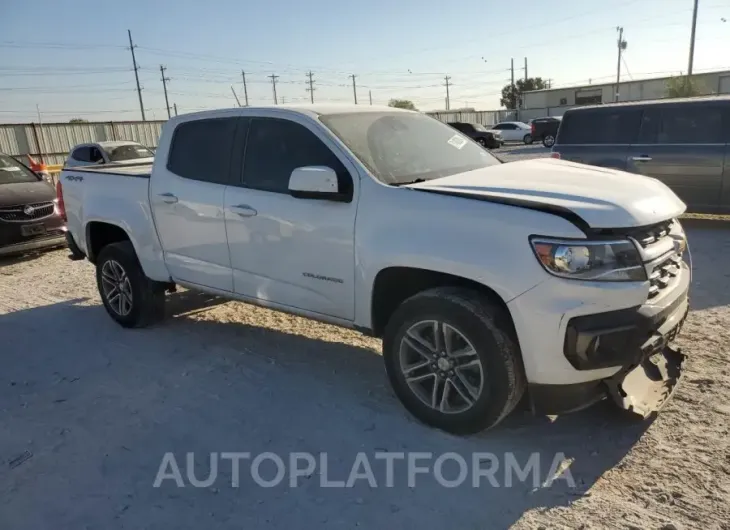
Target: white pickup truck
{"x":485,"y":280}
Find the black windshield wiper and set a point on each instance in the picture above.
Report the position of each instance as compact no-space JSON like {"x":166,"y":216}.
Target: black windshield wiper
{"x":417,"y":181}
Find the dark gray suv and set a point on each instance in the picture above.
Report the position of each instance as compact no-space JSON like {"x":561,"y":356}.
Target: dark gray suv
{"x":682,"y":142}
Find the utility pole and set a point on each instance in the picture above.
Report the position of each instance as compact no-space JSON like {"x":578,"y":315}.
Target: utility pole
{"x":514,"y":92}
{"x":164,"y":88}
{"x":621,"y":48}
{"x":692,"y":40}
{"x":525,"y":69}
{"x":136,"y":75}
{"x":311,"y":87}
{"x":448,"y":99}
{"x":174,"y":105}
{"x":370,"y":93}
{"x":354,"y":88}
{"x":273,"y":85}
{"x":245,"y":90}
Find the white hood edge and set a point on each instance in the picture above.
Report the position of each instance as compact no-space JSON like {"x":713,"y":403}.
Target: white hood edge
{"x":602,"y":197}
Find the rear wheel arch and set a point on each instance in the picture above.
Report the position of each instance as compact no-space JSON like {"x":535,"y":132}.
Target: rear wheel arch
{"x":99,"y":234}
{"x":394,"y":285}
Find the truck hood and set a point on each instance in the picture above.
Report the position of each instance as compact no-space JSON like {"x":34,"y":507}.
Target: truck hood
{"x":600,"y":197}
{"x":19,"y":193}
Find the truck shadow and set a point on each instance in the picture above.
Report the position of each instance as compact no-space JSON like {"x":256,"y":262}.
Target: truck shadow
{"x":108,"y":403}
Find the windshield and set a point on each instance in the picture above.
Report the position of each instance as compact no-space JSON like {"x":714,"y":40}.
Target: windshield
{"x":479,"y":128}
{"x":12,"y":171}
{"x":128,"y":152}
{"x":401,"y":147}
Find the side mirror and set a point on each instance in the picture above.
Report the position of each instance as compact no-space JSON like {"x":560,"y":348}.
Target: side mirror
{"x":315,"y":182}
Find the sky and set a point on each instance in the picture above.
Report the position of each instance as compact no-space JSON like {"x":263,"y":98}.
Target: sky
{"x":71,"y":58}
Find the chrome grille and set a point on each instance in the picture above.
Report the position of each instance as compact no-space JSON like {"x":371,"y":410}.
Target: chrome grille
{"x":19,"y":214}
{"x":663,"y":274}
{"x":652,"y":234}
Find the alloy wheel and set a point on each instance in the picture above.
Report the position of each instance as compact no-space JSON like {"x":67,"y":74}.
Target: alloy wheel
{"x":441,"y":367}
{"x":116,"y":287}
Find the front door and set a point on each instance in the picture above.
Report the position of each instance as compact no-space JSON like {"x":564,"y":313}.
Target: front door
{"x":187,"y":198}
{"x":683,"y":146}
{"x":290,"y":251}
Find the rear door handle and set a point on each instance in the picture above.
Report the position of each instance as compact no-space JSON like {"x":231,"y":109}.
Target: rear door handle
{"x":642,"y":158}
{"x":168,"y":198}
{"x":244,"y":210}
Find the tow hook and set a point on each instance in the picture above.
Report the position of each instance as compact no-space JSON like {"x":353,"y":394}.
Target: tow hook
{"x":646,"y":388}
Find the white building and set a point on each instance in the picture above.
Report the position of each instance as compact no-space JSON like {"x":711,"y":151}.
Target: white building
{"x":555,"y":101}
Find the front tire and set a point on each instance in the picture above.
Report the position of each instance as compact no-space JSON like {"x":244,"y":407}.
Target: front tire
{"x":482,"y":142}
{"x":548,"y":140}
{"x":452,"y":360}
{"x":130,"y":298}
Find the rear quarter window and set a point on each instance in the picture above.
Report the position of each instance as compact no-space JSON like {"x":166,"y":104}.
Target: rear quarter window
{"x":612,"y":125}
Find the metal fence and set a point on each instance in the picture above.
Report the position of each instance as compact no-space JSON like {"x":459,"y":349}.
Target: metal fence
{"x":51,"y":142}
{"x":483,"y":117}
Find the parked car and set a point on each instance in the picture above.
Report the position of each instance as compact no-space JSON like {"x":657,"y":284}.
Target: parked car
{"x":545,"y":129}
{"x":478,"y":133}
{"x":116,"y":152}
{"x":684,"y":143}
{"x":483,"y":280}
{"x":513,"y":131}
{"x":29,"y":214}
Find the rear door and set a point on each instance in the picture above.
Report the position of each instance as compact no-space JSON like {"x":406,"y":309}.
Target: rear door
{"x":683,"y":145}
{"x":598,"y":136}
{"x":186,"y":196}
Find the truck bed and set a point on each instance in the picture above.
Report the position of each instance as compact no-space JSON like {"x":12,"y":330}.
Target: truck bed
{"x":123,"y":170}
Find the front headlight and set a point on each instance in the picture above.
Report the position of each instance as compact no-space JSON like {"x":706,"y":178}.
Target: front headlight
{"x":613,"y":261}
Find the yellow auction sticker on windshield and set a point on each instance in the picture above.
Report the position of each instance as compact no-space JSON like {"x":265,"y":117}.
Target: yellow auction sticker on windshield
{"x":457,"y":141}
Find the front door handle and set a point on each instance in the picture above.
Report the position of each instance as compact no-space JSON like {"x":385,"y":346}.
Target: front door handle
{"x":244,"y":210}
{"x":642,"y":158}
{"x":168,"y":198}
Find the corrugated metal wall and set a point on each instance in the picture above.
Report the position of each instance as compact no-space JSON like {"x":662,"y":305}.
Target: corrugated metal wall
{"x":483,"y":117}
{"x":54,"y":140}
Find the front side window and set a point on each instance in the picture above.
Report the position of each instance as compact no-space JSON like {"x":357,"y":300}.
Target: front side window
{"x":201,"y":149}
{"x":12,"y":171}
{"x":128,"y":152}
{"x":403,"y":147}
{"x":276,"y":147}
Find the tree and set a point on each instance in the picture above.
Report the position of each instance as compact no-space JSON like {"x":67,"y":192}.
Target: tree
{"x":510,"y":97}
{"x":78,"y":120}
{"x":402,"y":104}
{"x":684,"y":87}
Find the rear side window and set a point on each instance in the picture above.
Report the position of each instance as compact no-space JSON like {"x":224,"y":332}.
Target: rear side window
{"x":276,"y":147}
{"x":201,"y":149}
{"x":611,"y":125}
{"x":82,"y":154}
{"x":682,"y":124}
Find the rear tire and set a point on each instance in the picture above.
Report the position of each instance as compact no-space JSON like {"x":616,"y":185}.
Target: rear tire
{"x":130,"y":298}
{"x":527,"y":139}
{"x":548,"y":140}
{"x":483,"y":386}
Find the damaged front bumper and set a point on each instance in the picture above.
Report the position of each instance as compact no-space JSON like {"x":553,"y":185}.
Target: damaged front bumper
{"x":639,"y":340}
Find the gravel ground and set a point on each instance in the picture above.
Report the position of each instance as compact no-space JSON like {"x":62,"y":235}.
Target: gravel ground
{"x":87,"y":411}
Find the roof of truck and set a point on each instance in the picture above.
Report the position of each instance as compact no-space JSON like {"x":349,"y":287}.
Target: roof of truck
{"x":318,"y":109}
{"x":664,"y":101}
